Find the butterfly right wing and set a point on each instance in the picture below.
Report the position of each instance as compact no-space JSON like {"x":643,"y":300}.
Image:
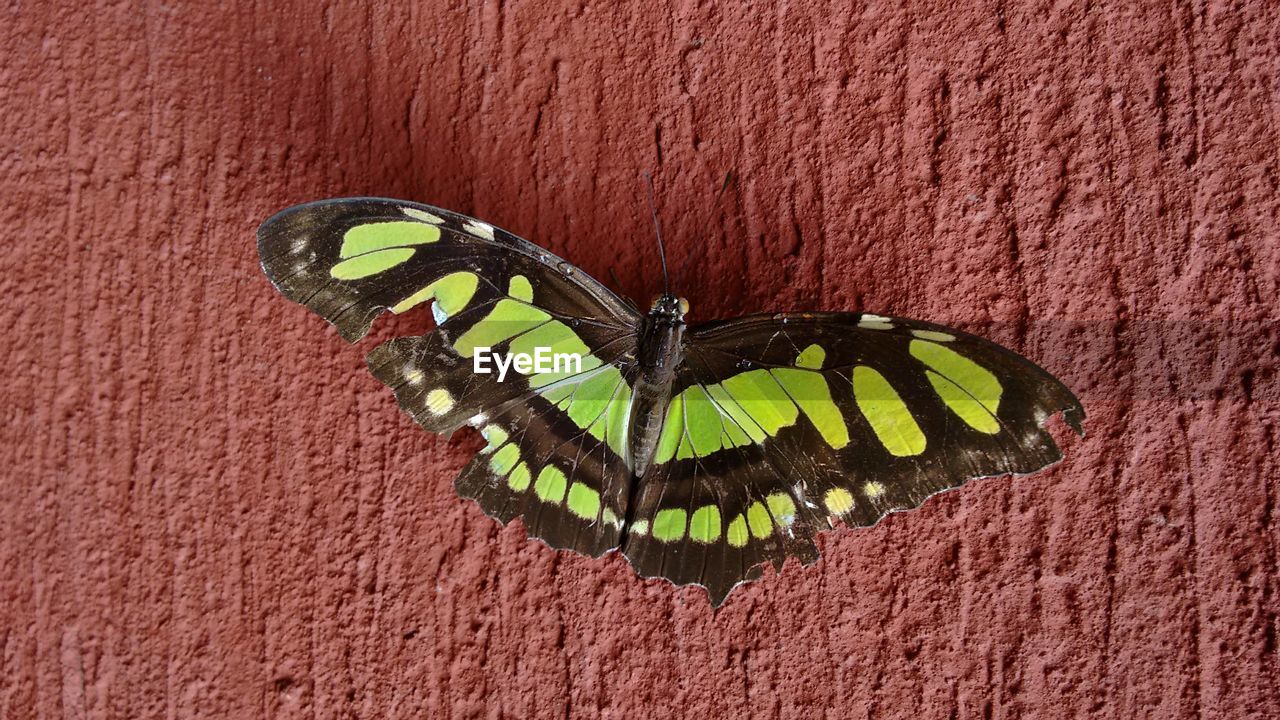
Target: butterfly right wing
{"x":557,"y":439}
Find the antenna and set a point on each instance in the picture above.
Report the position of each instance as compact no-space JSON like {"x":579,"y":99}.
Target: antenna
{"x":657,"y":228}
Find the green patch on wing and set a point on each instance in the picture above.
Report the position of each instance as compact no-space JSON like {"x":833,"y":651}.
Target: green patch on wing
{"x":451,"y":294}
{"x":704,"y":525}
{"x":886,"y":412}
{"x":372,"y":237}
{"x":373,"y":248}
{"x":551,"y":484}
{"x":669,"y":525}
{"x":751,"y":407}
{"x":971,"y":391}
{"x":507,"y":319}
{"x":583,"y":501}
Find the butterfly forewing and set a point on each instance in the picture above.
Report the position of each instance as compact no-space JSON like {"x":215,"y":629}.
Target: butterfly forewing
{"x":350,"y":260}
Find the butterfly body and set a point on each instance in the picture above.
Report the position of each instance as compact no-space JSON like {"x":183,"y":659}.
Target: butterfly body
{"x":660,"y":352}
{"x":699,"y":452}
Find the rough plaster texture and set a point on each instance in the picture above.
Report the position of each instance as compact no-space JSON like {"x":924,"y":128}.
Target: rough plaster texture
{"x":209,"y":508}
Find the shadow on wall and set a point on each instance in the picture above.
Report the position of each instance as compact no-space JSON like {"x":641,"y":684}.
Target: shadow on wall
{"x":402,"y":119}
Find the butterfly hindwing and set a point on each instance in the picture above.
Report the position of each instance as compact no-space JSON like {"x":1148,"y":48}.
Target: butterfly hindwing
{"x":715,"y":521}
{"x":793,"y":420}
{"x":569,"y":486}
{"x":551,"y":454}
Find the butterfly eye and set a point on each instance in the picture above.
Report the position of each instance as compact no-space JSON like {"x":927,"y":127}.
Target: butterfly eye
{"x":684,"y":306}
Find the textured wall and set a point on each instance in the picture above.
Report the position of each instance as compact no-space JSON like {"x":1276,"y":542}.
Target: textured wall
{"x":210,"y":509}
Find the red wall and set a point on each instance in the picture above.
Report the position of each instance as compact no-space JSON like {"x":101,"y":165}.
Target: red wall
{"x":209,"y":508}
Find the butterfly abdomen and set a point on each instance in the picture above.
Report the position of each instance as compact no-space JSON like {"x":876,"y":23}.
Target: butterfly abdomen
{"x":660,"y":353}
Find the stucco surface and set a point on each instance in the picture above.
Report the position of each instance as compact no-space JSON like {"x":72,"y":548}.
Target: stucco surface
{"x":210,"y":509}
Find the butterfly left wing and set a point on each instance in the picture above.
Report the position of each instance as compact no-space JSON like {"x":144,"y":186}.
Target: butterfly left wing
{"x":557,"y":439}
{"x":780,"y":423}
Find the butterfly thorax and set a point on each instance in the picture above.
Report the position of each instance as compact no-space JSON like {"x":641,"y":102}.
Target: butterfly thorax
{"x":660,"y":353}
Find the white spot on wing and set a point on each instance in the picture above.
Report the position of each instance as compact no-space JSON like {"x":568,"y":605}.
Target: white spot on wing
{"x":874,"y":322}
{"x":933,"y":335}
{"x":422,"y":215}
{"x":479,"y":229}
{"x":439,"y":401}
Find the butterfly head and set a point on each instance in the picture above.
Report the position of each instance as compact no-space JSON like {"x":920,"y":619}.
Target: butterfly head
{"x":669,"y":308}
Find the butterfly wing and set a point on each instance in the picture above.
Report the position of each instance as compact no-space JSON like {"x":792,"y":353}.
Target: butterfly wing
{"x":778,"y":424}
{"x":349,"y":260}
{"x":554,"y":453}
{"x":556,"y":437}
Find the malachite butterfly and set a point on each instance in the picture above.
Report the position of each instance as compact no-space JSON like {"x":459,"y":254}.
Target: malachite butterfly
{"x":700,"y":452}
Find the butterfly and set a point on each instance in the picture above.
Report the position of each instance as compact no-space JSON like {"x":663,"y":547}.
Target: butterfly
{"x":701,"y":452}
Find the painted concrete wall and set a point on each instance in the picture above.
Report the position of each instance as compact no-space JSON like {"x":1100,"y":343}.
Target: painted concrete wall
{"x":209,"y":509}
